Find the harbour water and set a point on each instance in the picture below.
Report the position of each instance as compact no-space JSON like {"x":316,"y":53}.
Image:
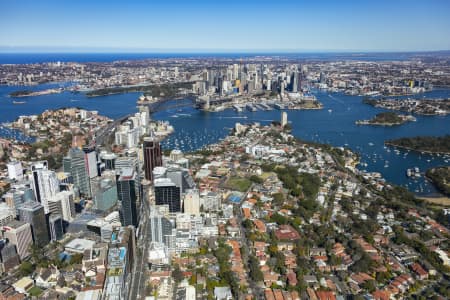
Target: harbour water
{"x":335,"y":125}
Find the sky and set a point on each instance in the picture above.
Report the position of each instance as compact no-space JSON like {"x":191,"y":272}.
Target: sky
{"x":224,"y":26}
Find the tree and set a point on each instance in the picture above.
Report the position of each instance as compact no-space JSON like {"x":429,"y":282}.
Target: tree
{"x":177,"y":274}
{"x":255,"y":271}
{"x":26,"y":268}
{"x":256,"y":179}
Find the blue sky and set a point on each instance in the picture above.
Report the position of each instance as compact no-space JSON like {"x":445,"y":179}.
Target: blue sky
{"x":139,"y":26}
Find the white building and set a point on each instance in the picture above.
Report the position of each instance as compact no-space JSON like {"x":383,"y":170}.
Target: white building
{"x":192,"y":202}
{"x":15,"y":171}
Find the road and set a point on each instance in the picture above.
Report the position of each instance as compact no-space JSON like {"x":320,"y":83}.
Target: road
{"x":101,"y":136}
{"x":139,"y":273}
{"x":256,"y":290}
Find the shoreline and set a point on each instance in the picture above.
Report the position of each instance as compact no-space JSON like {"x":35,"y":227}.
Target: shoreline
{"x":415,"y":150}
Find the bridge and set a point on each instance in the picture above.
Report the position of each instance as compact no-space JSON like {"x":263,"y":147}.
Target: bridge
{"x":171,"y":104}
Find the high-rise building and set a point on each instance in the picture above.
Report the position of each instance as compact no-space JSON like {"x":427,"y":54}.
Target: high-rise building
{"x":294,"y":82}
{"x":90,"y":159}
{"x":75,"y":164}
{"x":63,"y":204}
{"x":33,"y":213}
{"x":152,"y":156}
{"x":55,"y":223}
{"x":131,"y":160}
{"x":7,"y":214}
{"x":18,"y":195}
{"x":166,"y":192}
{"x":160,"y":227}
{"x":127,"y":196}
{"x":109,"y":159}
{"x":8,"y":256}
{"x":105,"y":195}
{"x":15,"y":171}
{"x":19,"y":234}
{"x":284,"y":119}
{"x":192,"y":202}
{"x":45,"y":183}
{"x":181,"y":178}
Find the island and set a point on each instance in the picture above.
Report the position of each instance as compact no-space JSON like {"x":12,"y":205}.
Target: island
{"x":21,"y":93}
{"x":29,"y":93}
{"x":387,"y":119}
{"x":428,"y":144}
{"x":429,"y":107}
{"x":440,"y":177}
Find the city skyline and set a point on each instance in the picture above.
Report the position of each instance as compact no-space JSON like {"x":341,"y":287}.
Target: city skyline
{"x":202,"y":26}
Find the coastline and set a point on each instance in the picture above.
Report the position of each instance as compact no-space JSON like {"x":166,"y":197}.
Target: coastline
{"x":415,"y":150}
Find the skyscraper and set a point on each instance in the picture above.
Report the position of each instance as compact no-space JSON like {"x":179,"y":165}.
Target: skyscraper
{"x":19,"y":234}
{"x":166,"y":192}
{"x":127,"y":196}
{"x":56,"y":227}
{"x":33,"y":213}
{"x":152,"y":156}
{"x":90,"y":158}
{"x":45,"y":184}
{"x":160,"y":227}
{"x":75,"y":164}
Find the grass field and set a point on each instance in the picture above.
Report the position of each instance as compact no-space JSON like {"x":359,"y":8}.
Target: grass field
{"x":238,"y":184}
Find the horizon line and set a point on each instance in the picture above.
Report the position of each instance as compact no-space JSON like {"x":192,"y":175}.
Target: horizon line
{"x":99,"y":50}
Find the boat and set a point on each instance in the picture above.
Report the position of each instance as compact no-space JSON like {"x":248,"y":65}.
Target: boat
{"x":250,"y":107}
{"x":19,"y":102}
{"x":330,"y":110}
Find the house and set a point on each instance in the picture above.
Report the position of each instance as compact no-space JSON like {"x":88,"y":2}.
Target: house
{"x":419,"y":271}
{"x":46,"y":277}
{"x":287,"y":232}
{"x":325,"y":295}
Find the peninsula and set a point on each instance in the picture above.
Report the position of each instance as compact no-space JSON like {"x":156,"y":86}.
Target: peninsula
{"x":429,"y":144}
{"x":387,"y":119}
{"x":440,"y":177}
{"x":429,"y":107}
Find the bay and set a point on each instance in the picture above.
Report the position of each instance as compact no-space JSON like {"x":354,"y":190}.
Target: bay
{"x":333,"y":125}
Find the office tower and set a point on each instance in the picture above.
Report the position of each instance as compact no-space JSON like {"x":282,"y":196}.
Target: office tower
{"x":55,"y":223}
{"x":294,"y":82}
{"x":75,"y":164}
{"x":15,"y":171}
{"x":166,"y":192}
{"x":33,"y":213}
{"x":109,"y":159}
{"x":152,"y":156}
{"x":127,"y":196}
{"x":55,"y":206}
{"x":17,"y":195}
{"x":8,"y":256}
{"x":62,"y":203}
{"x":90,"y":159}
{"x":7,"y":214}
{"x":192,"y":202}
{"x":105,"y":195}
{"x":19,"y":234}
{"x":323,"y":78}
{"x":160,"y":227}
{"x":284,"y":119}
{"x":181,"y":178}
{"x":45,"y":183}
{"x":131,"y":160}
